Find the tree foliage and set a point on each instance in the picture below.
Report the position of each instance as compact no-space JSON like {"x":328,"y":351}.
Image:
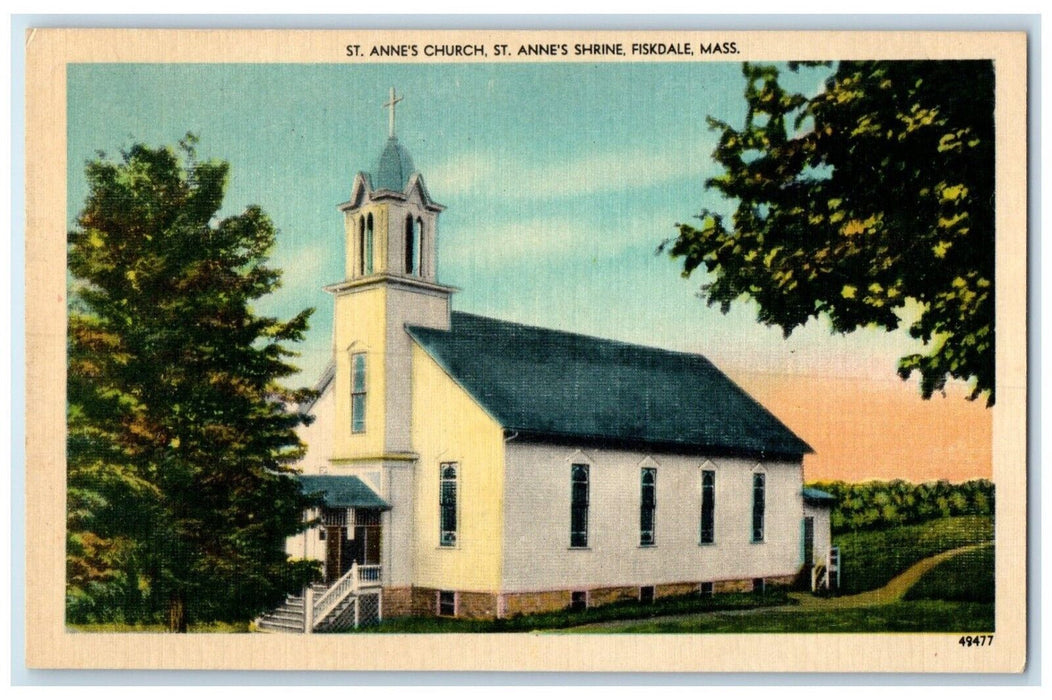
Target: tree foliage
{"x":179,"y":431}
{"x":878,"y":505}
{"x":870,"y":204}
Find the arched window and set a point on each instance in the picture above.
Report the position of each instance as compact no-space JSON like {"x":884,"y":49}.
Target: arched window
{"x":409,"y":244}
{"x":368,"y":267}
{"x":647,"y":505}
{"x":759,"y":504}
{"x":361,"y":245}
{"x":579,"y":505}
{"x":447,"y":503}
{"x":358,"y":392}
{"x":708,"y":504}
{"x":420,"y":248}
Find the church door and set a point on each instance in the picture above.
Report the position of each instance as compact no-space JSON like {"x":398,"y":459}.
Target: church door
{"x":367,"y":536}
{"x":809,"y":542}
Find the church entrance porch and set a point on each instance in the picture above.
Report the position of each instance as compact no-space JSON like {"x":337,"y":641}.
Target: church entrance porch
{"x":352,"y":536}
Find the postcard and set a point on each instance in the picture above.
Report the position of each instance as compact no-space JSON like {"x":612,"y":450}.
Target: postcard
{"x":526,"y":350}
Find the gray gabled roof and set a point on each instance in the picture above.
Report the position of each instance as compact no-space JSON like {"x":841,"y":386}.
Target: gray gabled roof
{"x":341,"y":491}
{"x":554,"y":384}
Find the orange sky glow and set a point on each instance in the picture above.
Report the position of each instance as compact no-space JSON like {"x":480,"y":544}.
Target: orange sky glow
{"x":865,"y":429}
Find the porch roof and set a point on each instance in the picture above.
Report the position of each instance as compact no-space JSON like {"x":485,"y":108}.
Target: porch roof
{"x":339,"y":491}
{"x":816,"y":497}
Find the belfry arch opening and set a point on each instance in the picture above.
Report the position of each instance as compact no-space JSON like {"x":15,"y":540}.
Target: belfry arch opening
{"x":414,"y":234}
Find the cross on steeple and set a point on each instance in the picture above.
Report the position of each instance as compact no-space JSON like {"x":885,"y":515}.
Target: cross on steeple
{"x":391,"y":103}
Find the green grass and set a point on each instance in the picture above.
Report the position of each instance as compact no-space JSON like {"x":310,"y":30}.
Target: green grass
{"x":967,"y":578}
{"x":912,"y":616}
{"x":872,"y":558}
{"x":630,"y":610}
{"x":197,"y":628}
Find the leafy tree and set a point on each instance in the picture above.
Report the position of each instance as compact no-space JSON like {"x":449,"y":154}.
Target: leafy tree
{"x":869,"y":203}
{"x":179,"y":431}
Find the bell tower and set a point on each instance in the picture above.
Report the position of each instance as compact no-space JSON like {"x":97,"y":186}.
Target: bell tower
{"x":390,"y":232}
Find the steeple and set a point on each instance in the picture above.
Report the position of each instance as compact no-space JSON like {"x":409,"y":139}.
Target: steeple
{"x":391,"y":220}
{"x":390,"y":234}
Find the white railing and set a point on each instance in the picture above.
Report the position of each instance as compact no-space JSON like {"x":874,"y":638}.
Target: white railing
{"x":823,"y":575}
{"x":336,"y":593}
{"x":364,"y":576}
{"x":818,"y":572}
{"x":368,"y":576}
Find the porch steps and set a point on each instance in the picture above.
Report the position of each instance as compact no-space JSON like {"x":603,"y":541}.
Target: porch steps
{"x":288,"y":617}
{"x":355,"y":599}
{"x":338,"y":619}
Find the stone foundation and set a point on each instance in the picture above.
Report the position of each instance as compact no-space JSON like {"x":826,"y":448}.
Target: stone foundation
{"x":605,"y":596}
{"x":476,"y":606}
{"x":733,"y":586}
{"x":425,"y":602}
{"x":666,"y":590}
{"x":482,"y":605}
{"x":539,"y":601}
{"x":398,"y":602}
{"x":780,"y":580}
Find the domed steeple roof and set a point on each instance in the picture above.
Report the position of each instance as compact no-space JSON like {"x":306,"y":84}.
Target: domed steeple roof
{"x":393,"y":170}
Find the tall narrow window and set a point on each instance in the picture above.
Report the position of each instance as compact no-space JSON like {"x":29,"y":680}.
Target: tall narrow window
{"x":358,"y":392}
{"x":708,"y":506}
{"x":758,"y":505}
{"x":410,"y":243}
{"x":647,"y":505}
{"x":367,"y":266}
{"x":579,"y":505}
{"x":447,"y":504}
{"x":361,"y":245}
{"x":419,"y":248}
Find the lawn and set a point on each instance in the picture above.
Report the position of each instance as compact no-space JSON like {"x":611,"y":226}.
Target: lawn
{"x":871,"y":558}
{"x":966,"y":578}
{"x":912,"y":616}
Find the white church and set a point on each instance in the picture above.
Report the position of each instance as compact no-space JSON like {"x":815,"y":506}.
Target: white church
{"x":473,"y":467}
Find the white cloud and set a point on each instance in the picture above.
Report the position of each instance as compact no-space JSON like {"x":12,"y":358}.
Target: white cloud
{"x":541,"y":237}
{"x":581,"y":238}
{"x":480,"y":173}
{"x":303,"y":268}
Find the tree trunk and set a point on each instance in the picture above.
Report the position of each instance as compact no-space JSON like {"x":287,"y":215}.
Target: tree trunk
{"x":176,"y":613}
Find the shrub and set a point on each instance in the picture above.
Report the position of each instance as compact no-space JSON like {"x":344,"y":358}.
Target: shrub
{"x":876,"y":505}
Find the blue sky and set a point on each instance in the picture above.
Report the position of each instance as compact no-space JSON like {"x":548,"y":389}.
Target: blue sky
{"x":560,"y":181}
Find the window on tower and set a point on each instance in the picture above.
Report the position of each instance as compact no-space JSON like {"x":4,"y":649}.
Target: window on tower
{"x":358,"y":392}
{"x":410,"y":245}
{"x":419,"y":271}
{"x":361,"y":245}
{"x":368,"y":265}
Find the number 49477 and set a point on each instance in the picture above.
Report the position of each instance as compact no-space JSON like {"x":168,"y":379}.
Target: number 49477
{"x":978,"y":640}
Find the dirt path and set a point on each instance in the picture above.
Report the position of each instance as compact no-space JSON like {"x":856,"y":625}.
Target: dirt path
{"x":892,"y":591}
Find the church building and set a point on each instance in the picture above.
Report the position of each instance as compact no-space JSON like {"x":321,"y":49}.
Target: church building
{"x":475,"y":467}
